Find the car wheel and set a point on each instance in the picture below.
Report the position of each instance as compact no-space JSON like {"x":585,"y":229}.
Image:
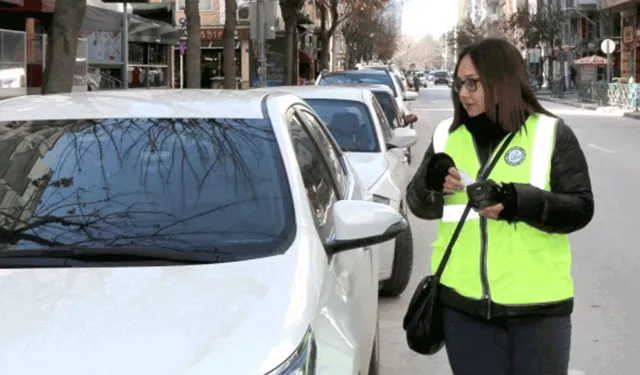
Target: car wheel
{"x":374,"y":363}
{"x":402,"y":266}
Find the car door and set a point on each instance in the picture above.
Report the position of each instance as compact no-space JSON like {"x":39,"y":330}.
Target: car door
{"x":355,"y":271}
{"x":397,"y":158}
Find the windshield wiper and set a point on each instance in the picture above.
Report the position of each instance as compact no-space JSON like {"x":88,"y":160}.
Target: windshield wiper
{"x":74,"y":256}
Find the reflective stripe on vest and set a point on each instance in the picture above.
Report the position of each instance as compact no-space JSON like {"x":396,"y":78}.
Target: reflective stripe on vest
{"x":510,"y":264}
{"x":544,"y":139}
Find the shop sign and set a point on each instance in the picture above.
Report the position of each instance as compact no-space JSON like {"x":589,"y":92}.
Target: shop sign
{"x":214,"y":35}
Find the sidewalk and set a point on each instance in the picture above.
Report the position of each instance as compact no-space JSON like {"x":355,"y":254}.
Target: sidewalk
{"x":571,"y":99}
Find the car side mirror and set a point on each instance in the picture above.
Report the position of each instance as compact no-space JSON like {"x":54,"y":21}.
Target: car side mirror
{"x":403,"y":138}
{"x":410,"y":96}
{"x":409,"y":119}
{"x":360,"y":224}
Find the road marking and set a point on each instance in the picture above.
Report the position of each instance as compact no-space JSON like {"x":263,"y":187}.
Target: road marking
{"x":577,"y":372}
{"x":599,"y":148}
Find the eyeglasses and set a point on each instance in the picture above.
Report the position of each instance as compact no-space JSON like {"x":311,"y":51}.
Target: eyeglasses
{"x":470,"y":84}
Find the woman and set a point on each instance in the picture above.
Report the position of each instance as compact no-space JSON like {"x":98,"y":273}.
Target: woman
{"x":507,"y":288}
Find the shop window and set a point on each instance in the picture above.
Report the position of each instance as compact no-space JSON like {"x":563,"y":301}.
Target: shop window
{"x":136,"y":53}
{"x":157,"y":54}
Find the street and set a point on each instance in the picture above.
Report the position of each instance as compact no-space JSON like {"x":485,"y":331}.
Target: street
{"x":606,"y":264}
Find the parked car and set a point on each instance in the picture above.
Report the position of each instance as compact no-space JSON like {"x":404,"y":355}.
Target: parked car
{"x":384,"y":95}
{"x":423,"y":78}
{"x":366,"y":76}
{"x":377,"y":153}
{"x":187,"y":231}
{"x":440,"y":77}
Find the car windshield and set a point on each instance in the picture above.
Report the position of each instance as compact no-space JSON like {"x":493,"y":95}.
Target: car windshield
{"x":373,"y":78}
{"x":387,"y":104}
{"x":350,"y":123}
{"x":440,"y":74}
{"x":200,"y":185}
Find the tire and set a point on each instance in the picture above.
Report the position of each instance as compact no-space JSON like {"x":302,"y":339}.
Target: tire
{"x":374,"y":363}
{"x":402,"y":266}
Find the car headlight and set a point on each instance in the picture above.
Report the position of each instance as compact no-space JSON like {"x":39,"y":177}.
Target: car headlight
{"x":303,"y":359}
{"x":381,"y":199}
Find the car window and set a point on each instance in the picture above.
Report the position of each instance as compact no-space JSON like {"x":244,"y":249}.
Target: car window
{"x":387,"y":133}
{"x":349,"y":122}
{"x":389,"y":107}
{"x":323,"y":139}
{"x":214,"y":186}
{"x":359,"y":77}
{"x":315,"y":175}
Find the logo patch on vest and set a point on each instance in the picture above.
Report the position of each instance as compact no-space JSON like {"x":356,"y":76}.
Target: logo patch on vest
{"x":515,"y":156}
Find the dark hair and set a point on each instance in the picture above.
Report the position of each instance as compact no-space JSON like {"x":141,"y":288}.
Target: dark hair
{"x":508,"y":97}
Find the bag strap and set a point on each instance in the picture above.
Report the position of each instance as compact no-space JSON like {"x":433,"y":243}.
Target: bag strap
{"x":483,"y":175}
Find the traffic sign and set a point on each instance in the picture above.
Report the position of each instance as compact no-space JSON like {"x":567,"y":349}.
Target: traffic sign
{"x":608,"y":46}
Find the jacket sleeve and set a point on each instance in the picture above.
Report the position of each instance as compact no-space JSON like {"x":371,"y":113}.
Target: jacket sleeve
{"x":568,"y":207}
{"x":423,"y":203}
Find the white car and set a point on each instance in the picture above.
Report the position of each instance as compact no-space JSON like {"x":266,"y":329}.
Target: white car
{"x":190,"y":232}
{"x":372,"y":76}
{"x":378,"y":154}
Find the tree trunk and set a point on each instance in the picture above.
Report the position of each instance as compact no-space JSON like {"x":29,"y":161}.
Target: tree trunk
{"x":193,"y":54}
{"x":294,"y":55}
{"x":324,"y":39}
{"x":289,"y":34}
{"x":229,"y":52}
{"x":62,"y":46}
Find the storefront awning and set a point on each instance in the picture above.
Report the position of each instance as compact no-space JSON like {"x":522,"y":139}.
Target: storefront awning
{"x":140,"y":29}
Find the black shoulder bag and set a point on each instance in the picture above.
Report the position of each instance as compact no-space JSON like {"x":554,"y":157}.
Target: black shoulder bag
{"x":423,"y":321}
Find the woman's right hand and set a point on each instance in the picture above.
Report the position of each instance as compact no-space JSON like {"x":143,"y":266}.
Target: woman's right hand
{"x":452,"y":182}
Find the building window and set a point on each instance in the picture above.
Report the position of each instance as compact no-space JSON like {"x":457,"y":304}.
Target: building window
{"x":202,"y":4}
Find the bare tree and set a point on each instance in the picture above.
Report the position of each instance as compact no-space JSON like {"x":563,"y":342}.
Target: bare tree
{"x":229,"y":51}
{"x":528,"y":29}
{"x":333,"y":13}
{"x":193,"y":63}
{"x":367,"y":34}
{"x":62,"y":46}
{"x":425,"y":53}
{"x":468,"y":32}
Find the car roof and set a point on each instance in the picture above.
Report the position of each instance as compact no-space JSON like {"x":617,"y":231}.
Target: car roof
{"x":142,"y":103}
{"x":371,"y":87}
{"x":339,"y":92}
{"x":356,"y":72}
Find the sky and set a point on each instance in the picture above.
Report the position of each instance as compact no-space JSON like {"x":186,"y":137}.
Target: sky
{"x":422,"y":17}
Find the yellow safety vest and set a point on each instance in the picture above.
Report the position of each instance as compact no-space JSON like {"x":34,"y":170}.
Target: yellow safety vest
{"x":509,"y":264}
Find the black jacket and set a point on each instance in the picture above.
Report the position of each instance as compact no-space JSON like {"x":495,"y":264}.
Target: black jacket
{"x":567,"y":208}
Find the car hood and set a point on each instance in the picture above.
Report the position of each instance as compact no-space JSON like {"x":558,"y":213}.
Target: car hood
{"x":369,"y":166}
{"x":233,"y":318}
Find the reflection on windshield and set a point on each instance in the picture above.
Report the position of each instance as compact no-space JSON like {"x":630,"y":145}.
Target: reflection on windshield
{"x":350,"y":123}
{"x":184,"y":184}
{"x":357,"y":78}
{"x":387,"y":106}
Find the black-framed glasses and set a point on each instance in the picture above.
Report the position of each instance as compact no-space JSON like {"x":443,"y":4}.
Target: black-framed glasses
{"x":470,"y":84}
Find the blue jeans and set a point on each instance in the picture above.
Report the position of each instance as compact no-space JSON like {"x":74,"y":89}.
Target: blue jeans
{"x":535,"y":345}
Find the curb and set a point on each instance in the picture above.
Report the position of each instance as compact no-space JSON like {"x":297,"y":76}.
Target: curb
{"x":568,"y":103}
{"x":633,"y":114}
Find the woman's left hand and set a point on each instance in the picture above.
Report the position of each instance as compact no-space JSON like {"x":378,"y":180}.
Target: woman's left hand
{"x":492,"y":212}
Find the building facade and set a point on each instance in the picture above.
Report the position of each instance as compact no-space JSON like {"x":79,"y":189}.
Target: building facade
{"x":623,"y":26}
